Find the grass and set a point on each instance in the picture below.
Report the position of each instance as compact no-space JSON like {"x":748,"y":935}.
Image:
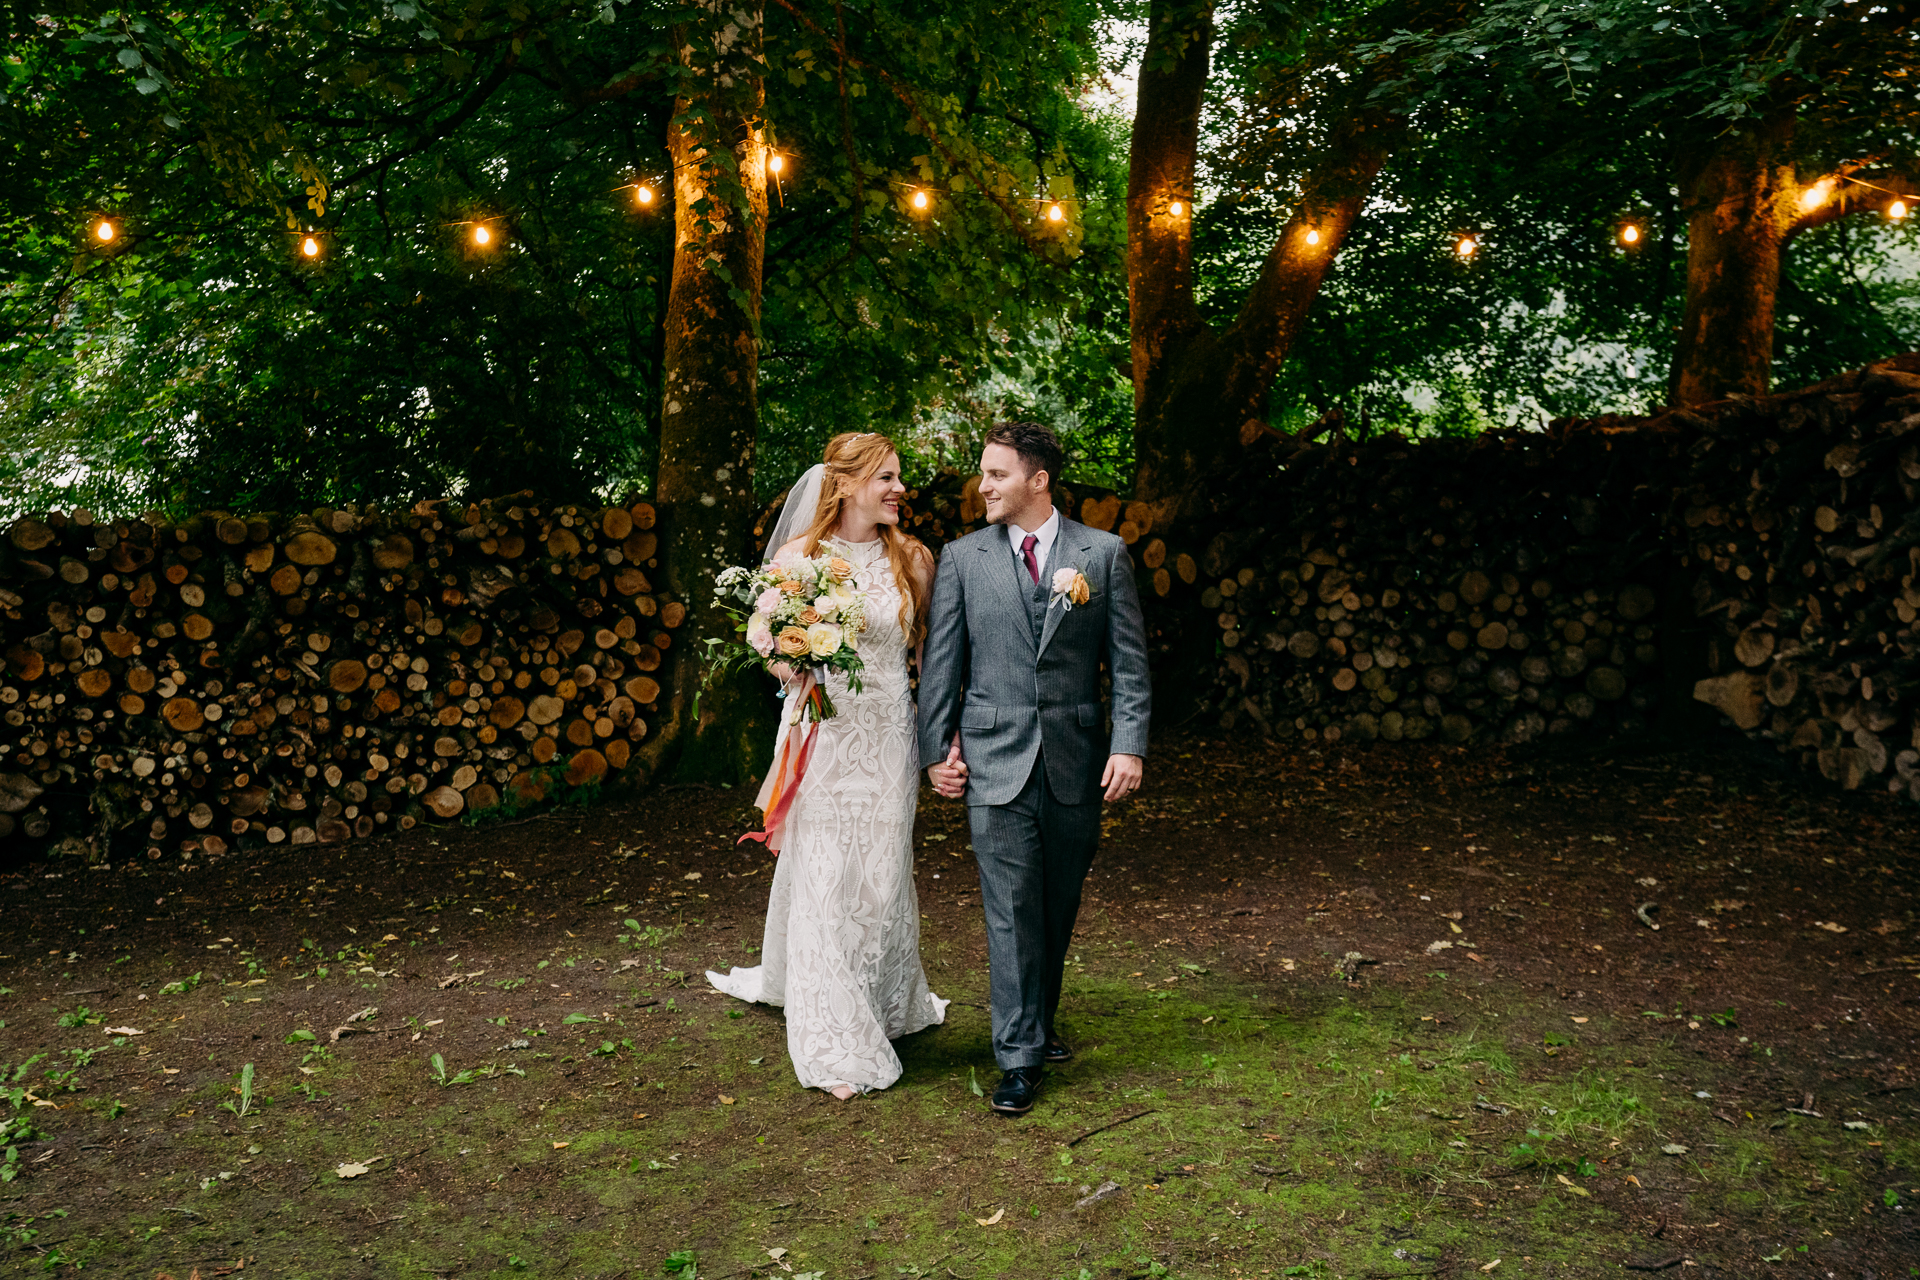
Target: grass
{"x":1323,"y":1129}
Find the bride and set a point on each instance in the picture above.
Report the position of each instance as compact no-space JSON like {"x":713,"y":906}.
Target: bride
{"x":842,"y":943}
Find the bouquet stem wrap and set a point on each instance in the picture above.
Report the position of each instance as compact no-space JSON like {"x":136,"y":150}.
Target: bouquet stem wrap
{"x":778,"y":792}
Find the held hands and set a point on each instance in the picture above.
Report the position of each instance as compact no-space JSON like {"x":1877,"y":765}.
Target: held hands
{"x":1122,"y":775}
{"x":949,"y":777}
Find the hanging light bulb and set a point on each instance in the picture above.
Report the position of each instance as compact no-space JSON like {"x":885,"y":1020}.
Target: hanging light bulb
{"x":1176,"y":208}
{"x":1630,"y":234}
{"x":1897,"y":210}
{"x":104,"y":231}
{"x":482,"y":236}
{"x":1815,"y":196}
{"x":1467,"y":247}
{"x":1313,"y":237}
{"x":776,"y":162}
{"x":310,"y":247}
{"x":920,"y":200}
{"x":1055,"y":213}
{"x":643,"y":194}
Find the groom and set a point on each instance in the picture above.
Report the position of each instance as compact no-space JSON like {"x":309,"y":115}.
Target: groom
{"x":1024,"y":613}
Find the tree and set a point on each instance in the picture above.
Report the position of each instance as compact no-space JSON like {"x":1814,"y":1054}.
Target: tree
{"x":1201,"y":389}
{"x":1777,"y":118}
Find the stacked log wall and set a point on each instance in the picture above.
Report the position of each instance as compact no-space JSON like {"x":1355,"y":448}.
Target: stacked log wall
{"x":1759,"y":555}
{"x":229,"y":681}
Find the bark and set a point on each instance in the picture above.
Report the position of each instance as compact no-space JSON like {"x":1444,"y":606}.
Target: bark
{"x":1200,"y":393}
{"x":710,"y":404}
{"x":1740,"y":197}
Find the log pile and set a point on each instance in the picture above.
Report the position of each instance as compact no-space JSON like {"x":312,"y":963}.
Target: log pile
{"x":229,"y":681}
{"x":1800,"y":531}
{"x":1517,"y":584}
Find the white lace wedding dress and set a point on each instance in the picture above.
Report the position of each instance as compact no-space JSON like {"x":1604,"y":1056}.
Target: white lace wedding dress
{"x":842,"y":944}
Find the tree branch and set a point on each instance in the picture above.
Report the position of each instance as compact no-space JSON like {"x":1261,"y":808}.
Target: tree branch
{"x":461,"y":114}
{"x":1855,"y":189}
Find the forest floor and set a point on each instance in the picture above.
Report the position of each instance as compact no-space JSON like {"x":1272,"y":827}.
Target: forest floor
{"x":1515,"y":1075}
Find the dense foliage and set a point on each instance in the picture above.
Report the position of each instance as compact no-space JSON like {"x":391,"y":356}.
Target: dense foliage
{"x":200,"y":357}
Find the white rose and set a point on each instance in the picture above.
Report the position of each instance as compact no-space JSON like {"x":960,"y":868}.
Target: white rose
{"x":826,"y":606}
{"x":823,"y":639}
{"x":845,"y":592}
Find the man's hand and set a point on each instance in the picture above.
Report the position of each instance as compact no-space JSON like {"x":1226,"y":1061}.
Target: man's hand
{"x":949,"y":777}
{"x":1122,"y":776}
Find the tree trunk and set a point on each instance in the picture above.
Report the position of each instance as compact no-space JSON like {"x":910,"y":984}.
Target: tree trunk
{"x":1741,"y":201}
{"x":1200,"y":394}
{"x":710,"y":403}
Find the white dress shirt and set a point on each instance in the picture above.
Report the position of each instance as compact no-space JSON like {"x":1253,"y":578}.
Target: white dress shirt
{"x":1042,"y":548}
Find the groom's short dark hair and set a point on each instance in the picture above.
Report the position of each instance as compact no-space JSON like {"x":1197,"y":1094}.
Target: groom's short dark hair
{"x":1036,"y":444}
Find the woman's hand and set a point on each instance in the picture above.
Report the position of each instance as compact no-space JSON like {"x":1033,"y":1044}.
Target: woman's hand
{"x":781,"y":672}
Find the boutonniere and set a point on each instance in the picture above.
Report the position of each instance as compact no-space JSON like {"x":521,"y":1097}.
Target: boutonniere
{"x":1069,"y":588}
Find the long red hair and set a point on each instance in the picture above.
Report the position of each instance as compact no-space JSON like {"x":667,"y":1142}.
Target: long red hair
{"x":853,"y":458}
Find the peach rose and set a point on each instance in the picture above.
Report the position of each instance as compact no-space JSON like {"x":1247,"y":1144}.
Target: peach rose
{"x":808,"y":616}
{"x":839,"y":570}
{"x":792,"y":586}
{"x":792,"y":642}
{"x":1080,"y":592}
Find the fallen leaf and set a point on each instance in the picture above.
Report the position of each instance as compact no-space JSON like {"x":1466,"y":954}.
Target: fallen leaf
{"x":1674,"y":1149}
{"x":691,"y":875}
{"x":725,"y":1101}
{"x":125,"y":1031}
{"x":1858,"y":1124}
{"x":1570,"y":1185}
{"x":1580,"y":1019}
{"x":1475,"y":957}
{"x":1829,"y":926}
{"x":561,"y":1146}
{"x":1491,"y":1265}
{"x":1630,"y":1178}
{"x":351,"y":1169}
{"x":1435,"y":948}
{"x":997,"y":1215}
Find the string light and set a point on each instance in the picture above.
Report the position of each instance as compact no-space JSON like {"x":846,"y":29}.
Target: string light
{"x":1176,"y":208}
{"x":643,"y":194}
{"x":104,"y":231}
{"x":920,"y":200}
{"x":1313,"y":236}
{"x":1055,"y":213}
{"x":1897,"y":210}
{"x":482,"y":236}
{"x":1815,"y":196}
{"x":1466,"y":247}
{"x":310,"y":247}
{"x":776,"y":162}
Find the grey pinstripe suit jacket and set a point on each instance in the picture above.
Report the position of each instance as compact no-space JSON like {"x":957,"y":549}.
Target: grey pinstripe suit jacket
{"x":1009,"y":695}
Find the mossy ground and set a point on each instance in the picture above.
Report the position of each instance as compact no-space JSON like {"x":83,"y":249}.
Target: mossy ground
{"x":1508,"y":1098}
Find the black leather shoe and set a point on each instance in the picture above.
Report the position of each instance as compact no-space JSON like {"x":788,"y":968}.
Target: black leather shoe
{"x":1018,"y":1088}
{"x":1058,"y":1051}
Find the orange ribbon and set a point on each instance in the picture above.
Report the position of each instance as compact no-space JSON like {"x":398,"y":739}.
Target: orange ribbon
{"x":777,"y":794}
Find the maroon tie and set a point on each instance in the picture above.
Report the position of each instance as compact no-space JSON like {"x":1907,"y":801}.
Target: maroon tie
{"x":1026,"y":553}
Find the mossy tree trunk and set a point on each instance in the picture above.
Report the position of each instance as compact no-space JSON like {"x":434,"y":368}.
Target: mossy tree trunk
{"x":710,"y":405}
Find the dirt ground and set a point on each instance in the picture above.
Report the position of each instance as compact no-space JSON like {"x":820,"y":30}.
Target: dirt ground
{"x":1350,"y":1012}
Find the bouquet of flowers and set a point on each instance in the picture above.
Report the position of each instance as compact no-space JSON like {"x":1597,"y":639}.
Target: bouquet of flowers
{"x":808,"y":613}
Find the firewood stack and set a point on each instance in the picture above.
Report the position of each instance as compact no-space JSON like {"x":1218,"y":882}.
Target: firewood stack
{"x":230,"y":681}
{"x":1800,"y":531}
